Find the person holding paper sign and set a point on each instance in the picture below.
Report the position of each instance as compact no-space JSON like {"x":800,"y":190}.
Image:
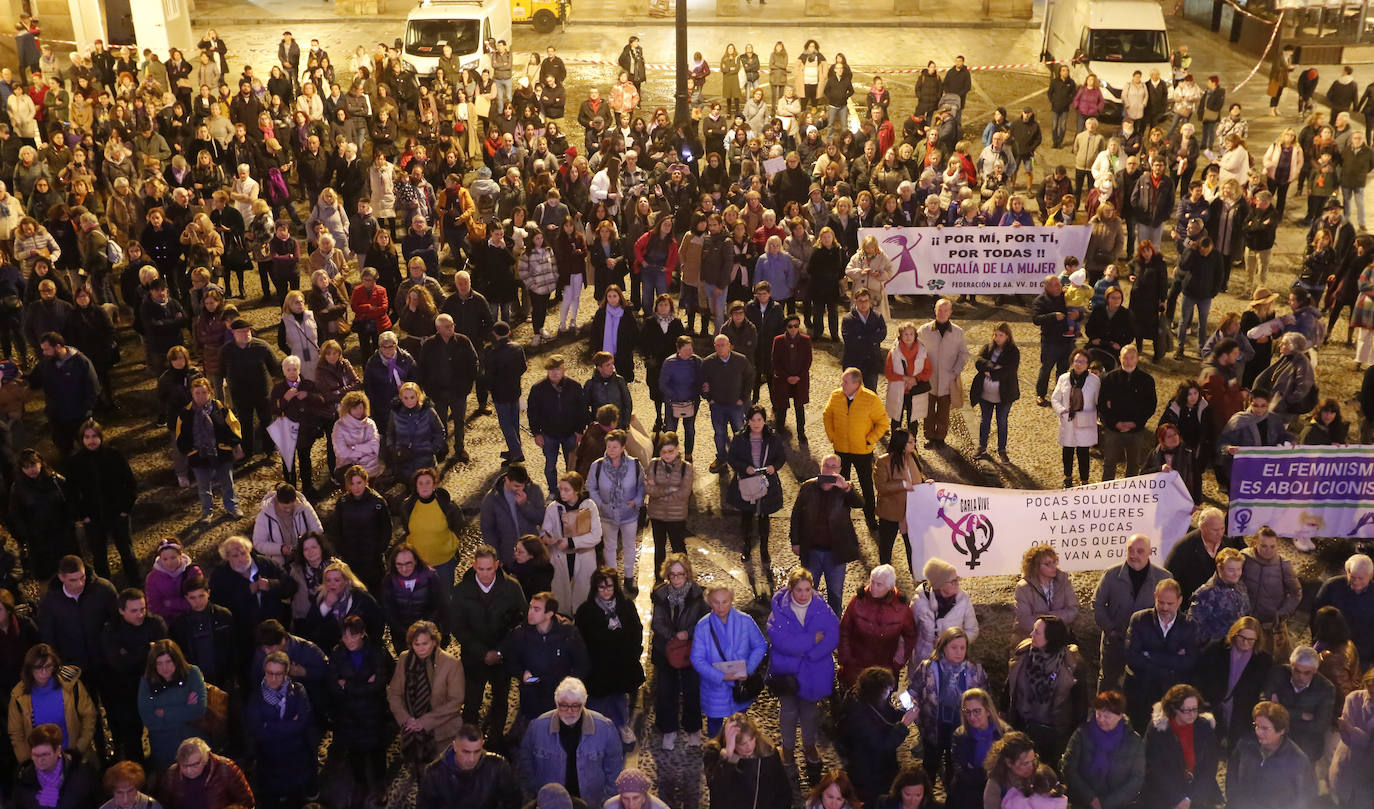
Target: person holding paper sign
{"x":727,"y":646}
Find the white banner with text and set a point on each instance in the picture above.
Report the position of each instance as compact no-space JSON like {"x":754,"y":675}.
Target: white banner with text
{"x":984,"y":531}
{"x":976,"y":261}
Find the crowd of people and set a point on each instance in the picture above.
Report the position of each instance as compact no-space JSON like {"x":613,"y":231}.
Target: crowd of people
{"x":433,"y":218}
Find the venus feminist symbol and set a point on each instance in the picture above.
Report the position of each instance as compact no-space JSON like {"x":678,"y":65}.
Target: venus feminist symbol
{"x":967,"y":531}
{"x":905,"y":263}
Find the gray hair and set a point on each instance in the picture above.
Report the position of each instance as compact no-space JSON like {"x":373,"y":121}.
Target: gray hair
{"x":387,"y":338}
{"x":1294,"y":340}
{"x":1210,"y":512}
{"x":291,"y":361}
{"x":1304,"y":656}
{"x":572,"y":689}
{"x":1359,"y":564}
{"x":883,"y":574}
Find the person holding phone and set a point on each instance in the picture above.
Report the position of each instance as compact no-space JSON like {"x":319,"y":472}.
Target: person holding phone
{"x":872,"y":729}
{"x":823,"y":535}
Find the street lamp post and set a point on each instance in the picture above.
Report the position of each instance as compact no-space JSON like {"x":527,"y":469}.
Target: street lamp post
{"x":682,"y":112}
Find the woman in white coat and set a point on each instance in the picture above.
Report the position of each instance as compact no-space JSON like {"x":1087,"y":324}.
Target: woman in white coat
{"x":23,"y":116}
{"x":908,"y":371}
{"x":573,"y":554}
{"x":871,"y":269}
{"x":1075,"y":402}
{"x":1234,"y":162}
{"x":381,"y":181}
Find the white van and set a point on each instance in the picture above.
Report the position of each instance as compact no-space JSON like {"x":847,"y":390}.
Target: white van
{"x":472,"y":27}
{"x":1109,"y":38}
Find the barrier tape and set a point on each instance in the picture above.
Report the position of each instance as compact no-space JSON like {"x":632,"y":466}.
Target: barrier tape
{"x":1273,"y":37}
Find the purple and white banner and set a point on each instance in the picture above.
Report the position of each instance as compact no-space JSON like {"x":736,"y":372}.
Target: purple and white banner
{"x":1303,"y":491}
{"x":976,"y":261}
{"x":984,"y":531}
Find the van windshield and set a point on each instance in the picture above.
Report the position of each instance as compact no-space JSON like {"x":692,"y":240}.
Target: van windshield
{"x":428,"y":37}
{"x":1111,"y":45}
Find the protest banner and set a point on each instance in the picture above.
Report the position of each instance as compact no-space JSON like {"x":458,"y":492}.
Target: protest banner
{"x":984,"y":531}
{"x":1303,"y":492}
{"x":976,"y":261}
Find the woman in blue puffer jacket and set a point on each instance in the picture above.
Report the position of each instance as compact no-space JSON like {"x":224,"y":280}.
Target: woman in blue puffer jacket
{"x":803,"y":633}
{"x":414,"y":435}
{"x":679,"y":382}
{"x":724,"y":634}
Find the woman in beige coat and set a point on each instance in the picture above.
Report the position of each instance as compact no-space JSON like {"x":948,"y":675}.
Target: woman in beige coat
{"x":668,"y":484}
{"x":1043,"y":589}
{"x":871,"y":269}
{"x":429,"y":712}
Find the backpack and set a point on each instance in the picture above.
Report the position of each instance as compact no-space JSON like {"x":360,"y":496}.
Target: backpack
{"x":113,"y":252}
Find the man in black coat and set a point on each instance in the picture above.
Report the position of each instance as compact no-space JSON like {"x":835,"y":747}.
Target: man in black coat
{"x":1161,"y":651}
{"x":248,"y":365}
{"x":1199,"y":272}
{"x":769,"y":322}
{"x":1193,"y":560}
{"x":863,"y":331}
{"x":70,"y":388}
{"x":557,"y":412}
{"x":205,"y":634}
{"x":447,"y":369}
{"x":126,"y":639}
{"x":487,"y":605}
{"x":471,"y":318}
{"x":72,"y":615}
{"x":541,"y":652}
{"x":1050,"y":313}
{"x":503,"y":364}
{"x":1125,"y":405}
{"x":466,"y":775}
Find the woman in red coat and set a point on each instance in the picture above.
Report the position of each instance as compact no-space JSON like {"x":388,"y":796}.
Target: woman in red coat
{"x":877,"y":629}
{"x":370,"y":310}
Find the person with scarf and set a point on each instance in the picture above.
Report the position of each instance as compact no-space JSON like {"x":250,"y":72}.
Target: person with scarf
{"x":384,"y":374}
{"x":938,"y":685}
{"x":871,"y":731}
{"x":1104,"y":765}
{"x":359,"y":669}
{"x":279,"y":726}
{"x":572,"y":548}
{"x":1218,"y":603}
{"x":208,"y":434}
{"x":678,"y":606}
{"x":171,"y":568}
{"x":908,"y":371}
{"x":1075,"y":402}
{"x":426,"y":695}
{"x":614,"y":637}
{"x":803,"y":632}
{"x":1043,"y":694}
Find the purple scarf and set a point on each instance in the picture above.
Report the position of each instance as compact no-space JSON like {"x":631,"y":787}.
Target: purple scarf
{"x":1104,"y":746}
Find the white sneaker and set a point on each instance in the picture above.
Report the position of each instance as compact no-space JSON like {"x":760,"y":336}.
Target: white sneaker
{"x":670,"y":740}
{"x":627,"y":734}
{"x":694,"y":739}
{"x":1304,"y":544}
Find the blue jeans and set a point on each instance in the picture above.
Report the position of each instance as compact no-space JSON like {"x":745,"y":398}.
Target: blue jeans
{"x":836,"y":115}
{"x":1355,"y":195}
{"x":502,"y":88}
{"x":1061,"y":124}
{"x":500,"y":311}
{"x":1002,"y":409}
{"x":508,"y":416}
{"x":716,"y":295}
{"x":723,"y":417}
{"x":1203,"y":306}
{"x":1054,"y":356}
{"x":822,"y":564}
{"x":206,"y":477}
{"x":653,"y":282}
{"x":551,"y":447}
{"x":615,"y":707}
{"x":689,"y":428}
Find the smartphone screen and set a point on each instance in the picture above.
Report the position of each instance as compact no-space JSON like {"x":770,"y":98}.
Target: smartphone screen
{"x":905,"y":699}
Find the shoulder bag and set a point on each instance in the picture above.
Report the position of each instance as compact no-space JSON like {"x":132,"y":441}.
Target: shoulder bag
{"x":748,"y":689}
{"x":753,"y":488}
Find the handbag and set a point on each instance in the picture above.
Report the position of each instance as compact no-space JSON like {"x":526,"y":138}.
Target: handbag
{"x":683,"y":410}
{"x":576,"y":523}
{"x":783,"y":685}
{"x":216,"y":716}
{"x":679,"y":652}
{"x":753,"y":488}
{"x":748,"y":689}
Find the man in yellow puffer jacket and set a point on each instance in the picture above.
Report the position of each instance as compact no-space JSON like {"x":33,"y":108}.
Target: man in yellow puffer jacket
{"x":855,"y":419}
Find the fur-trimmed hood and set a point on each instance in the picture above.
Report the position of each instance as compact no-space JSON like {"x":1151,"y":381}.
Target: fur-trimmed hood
{"x":1160,"y":722}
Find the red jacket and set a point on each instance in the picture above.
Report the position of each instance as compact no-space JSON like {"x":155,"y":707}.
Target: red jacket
{"x":875,"y":632}
{"x":372,"y":306}
{"x":642,"y":244}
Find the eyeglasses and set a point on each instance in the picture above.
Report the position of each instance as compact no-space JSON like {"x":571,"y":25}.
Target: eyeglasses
{"x":1188,"y":711}
{"x":1248,"y":638}
{"x":569,"y":706}
{"x":974,"y":711}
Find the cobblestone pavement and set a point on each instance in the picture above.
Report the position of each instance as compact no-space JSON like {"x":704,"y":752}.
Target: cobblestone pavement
{"x":165,"y":509}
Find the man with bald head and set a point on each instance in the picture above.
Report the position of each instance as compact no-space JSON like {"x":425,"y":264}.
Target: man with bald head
{"x":727,"y":377}
{"x":1123,"y":591}
{"x":448,"y":368}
